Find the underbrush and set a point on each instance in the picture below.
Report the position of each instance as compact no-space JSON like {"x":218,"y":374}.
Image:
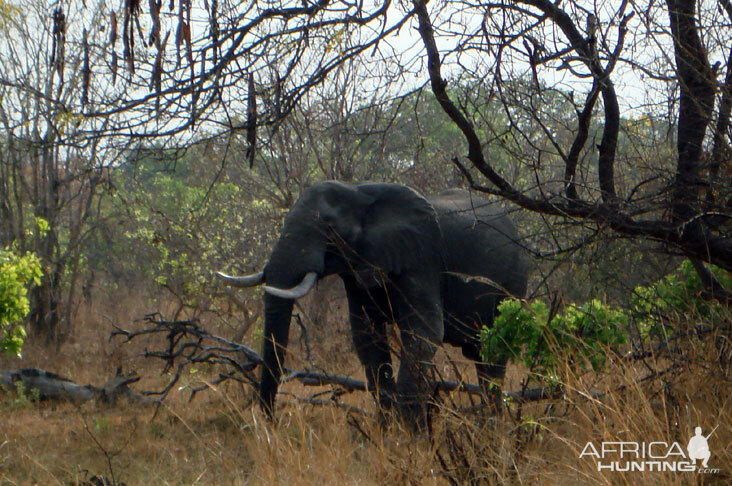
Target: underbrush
{"x":220,"y":438}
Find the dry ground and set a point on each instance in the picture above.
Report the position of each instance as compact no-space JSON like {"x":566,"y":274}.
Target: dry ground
{"x":218,"y":439}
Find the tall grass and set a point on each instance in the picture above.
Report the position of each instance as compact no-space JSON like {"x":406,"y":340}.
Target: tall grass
{"x":218,"y":438}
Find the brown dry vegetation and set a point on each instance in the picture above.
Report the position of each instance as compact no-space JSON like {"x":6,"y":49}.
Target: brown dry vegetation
{"x":218,"y":438}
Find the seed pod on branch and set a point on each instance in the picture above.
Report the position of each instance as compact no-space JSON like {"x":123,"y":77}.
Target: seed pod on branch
{"x":155,"y":82}
{"x":155,"y":17}
{"x":113,"y":44}
{"x":113,"y":29}
{"x":214,"y":29}
{"x":132,"y":7}
{"x":187,"y":38}
{"x":251,"y":121}
{"x":86,"y":72}
{"x":178,"y":34}
{"x":59,"y":42}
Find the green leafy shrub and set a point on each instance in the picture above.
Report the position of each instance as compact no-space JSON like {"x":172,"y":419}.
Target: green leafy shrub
{"x":673,"y":298}
{"x":524,"y":333}
{"x":17,"y":273}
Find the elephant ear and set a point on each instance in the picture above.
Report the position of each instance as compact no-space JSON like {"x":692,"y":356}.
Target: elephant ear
{"x":399,"y":228}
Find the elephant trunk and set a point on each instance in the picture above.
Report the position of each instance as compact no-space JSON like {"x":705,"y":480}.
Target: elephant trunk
{"x":293,"y":268}
{"x":278,"y":312}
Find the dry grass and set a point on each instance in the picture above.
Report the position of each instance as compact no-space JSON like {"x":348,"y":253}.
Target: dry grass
{"x":216,"y":439}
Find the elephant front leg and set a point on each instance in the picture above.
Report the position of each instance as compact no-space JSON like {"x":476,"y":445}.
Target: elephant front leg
{"x":368,"y":326}
{"x":421,"y":331}
{"x":372,"y":347}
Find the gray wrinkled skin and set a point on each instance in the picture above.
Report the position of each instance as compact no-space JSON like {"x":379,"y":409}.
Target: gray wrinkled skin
{"x":436,"y":267}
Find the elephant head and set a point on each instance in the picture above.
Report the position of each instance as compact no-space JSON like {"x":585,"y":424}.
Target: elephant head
{"x":367,"y":232}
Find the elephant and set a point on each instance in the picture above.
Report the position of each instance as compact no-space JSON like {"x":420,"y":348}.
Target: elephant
{"x":436,"y":268}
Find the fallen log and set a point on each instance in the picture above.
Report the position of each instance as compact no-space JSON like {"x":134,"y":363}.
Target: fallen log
{"x":45,"y":385}
{"x":316,"y":378}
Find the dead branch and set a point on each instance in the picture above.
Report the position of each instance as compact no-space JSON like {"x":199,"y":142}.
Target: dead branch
{"x":190,"y":344}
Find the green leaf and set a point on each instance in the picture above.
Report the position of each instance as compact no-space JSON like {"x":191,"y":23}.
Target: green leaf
{"x":17,"y":274}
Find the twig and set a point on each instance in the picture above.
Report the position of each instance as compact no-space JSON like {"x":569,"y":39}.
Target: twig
{"x":109,"y":455}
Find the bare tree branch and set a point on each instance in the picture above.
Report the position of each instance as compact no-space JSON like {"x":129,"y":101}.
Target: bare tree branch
{"x":189,"y":344}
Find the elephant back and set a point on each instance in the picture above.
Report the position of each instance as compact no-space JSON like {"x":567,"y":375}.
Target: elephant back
{"x":480,"y":245}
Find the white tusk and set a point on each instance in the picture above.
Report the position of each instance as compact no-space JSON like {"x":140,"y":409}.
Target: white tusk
{"x":246,"y":281}
{"x":300,"y":290}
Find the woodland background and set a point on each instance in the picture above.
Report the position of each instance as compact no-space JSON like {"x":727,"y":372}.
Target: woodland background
{"x":142,"y":151}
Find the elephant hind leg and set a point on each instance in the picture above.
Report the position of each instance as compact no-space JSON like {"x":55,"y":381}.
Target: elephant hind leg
{"x":415,"y":379}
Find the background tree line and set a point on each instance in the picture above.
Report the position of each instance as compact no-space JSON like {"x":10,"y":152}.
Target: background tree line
{"x":144,"y":144}
{"x":183,"y":138}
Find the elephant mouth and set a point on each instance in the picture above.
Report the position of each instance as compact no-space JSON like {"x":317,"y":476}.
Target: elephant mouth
{"x":298,"y":291}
